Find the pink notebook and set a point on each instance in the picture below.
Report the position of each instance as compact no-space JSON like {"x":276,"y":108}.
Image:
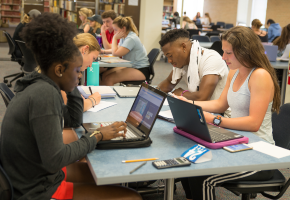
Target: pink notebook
{"x":211,"y":145}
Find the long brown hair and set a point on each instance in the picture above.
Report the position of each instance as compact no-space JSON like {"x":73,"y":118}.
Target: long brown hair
{"x":207,"y":15}
{"x":249,"y":51}
{"x":283,"y":40}
{"x":126,"y":22}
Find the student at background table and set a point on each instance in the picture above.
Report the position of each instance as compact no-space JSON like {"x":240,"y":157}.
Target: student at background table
{"x":130,"y":48}
{"x":84,"y":14}
{"x":283,"y":43}
{"x":32,"y":150}
{"x":95,"y":24}
{"x":256,"y":25}
{"x":196,"y":18}
{"x":107,"y":30}
{"x":252,"y":92}
{"x":188,"y":24}
{"x":205,"y":71}
{"x":274,"y":30}
{"x":89,"y":48}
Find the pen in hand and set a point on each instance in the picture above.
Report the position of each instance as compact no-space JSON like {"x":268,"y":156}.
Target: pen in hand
{"x":91,"y":94}
{"x":138,"y":167}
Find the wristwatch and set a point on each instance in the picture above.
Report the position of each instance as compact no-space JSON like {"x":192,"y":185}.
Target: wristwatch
{"x":217,"y":120}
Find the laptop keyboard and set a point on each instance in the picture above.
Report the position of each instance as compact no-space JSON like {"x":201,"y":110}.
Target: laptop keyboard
{"x":129,"y":134}
{"x":218,"y":137}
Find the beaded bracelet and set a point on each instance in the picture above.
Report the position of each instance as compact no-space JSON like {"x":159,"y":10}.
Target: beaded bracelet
{"x":94,"y":100}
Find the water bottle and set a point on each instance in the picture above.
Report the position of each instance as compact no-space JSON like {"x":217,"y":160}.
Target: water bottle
{"x":93,"y":74}
{"x":99,"y":38}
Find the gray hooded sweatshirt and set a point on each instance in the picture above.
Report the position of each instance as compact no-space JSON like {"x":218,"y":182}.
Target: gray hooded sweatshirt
{"x":32,"y":149}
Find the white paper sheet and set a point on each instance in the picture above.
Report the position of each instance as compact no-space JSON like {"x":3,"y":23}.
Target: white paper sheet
{"x":165,"y":103}
{"x":100,"y":89}
{"x":102,"y":105}
{"x":166,"y":114}
{"x":270,"y":149}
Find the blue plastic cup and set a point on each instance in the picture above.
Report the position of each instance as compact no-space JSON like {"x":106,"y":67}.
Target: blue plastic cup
{"x":93,"y":74}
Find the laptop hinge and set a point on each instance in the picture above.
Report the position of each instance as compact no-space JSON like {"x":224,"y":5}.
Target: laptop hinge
{"x":135,"y":130}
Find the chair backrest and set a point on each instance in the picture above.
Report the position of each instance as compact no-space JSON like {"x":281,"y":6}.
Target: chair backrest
{"x":217,"y":46}
{"x":193,"y":32}
{"x":229,"y":26}
{"x":199,"y":25}
{"x":200,"y":38}
{"x":6,"y":189}
{"x":275,"y":38}
{"x":211,"y":23}
{"x":221,"y":23}
{"x":280,"y":126}
{"x":215,"y":27}
{"x":10,"y":43}
{"x":214,"y":38}
{"x":152,"y":56}
{"x":6,"y":93}
{"x":29,"y":60}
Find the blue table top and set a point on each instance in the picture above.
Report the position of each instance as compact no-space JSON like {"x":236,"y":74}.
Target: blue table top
{"x":107,"y":166}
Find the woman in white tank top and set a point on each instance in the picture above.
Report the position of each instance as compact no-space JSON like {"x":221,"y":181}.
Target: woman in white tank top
{"x":251,"y":92}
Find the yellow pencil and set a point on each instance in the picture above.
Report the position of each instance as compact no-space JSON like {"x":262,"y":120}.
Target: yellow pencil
{"x":139,"y":160}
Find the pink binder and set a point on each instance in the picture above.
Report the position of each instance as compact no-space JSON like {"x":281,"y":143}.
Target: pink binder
{"x":211,"y":145}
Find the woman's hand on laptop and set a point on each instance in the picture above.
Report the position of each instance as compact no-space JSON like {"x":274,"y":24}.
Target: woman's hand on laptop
{"x":114,"y":130}
{"x":184,"y":99}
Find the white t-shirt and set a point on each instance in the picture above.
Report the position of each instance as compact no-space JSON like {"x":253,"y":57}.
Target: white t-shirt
{"x":211,"y":63}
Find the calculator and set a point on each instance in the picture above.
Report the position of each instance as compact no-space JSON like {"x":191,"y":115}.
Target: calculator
{"x":175,"y":162}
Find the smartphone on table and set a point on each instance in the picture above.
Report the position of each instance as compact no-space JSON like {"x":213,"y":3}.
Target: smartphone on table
{"x":237,"y":147}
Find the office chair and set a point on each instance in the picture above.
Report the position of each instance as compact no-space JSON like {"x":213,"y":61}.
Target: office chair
{"x":6,"y":189}
{"x":211,"y":23}
{"x":215,"y":27}
{"x":29,"y":60}
{"x":228,"y":26}
{"x":200,"y":38}
{"x":221,"y":24}
{"x":193,"y":32}
{"x":217,"y":46}
{"x":6,"y":94}
{"x":278,"y":182}
{"x":16,"y":56}
{"x":214,"y":38}
{"x":152,"y":56}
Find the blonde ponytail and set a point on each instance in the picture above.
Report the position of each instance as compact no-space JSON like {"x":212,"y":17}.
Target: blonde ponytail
{"x":126,"y":22}
{"x":86,"y":13}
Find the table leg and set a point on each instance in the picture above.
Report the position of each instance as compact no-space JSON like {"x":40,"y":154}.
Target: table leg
{"x":169,"y":189}
{"x":283,"y":87}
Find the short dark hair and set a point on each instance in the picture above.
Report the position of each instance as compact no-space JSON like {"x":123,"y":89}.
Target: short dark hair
{"x":270,"y":21}
{"x":50,"y":37}
{"x":173,"y":35}
{"x":176,"y":14}
{"x":110,"y":14}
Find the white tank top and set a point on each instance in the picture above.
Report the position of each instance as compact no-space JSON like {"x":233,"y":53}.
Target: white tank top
{"x":239,"y":103}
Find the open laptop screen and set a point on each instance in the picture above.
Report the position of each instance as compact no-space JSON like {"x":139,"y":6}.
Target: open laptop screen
{"x":145,"y":109}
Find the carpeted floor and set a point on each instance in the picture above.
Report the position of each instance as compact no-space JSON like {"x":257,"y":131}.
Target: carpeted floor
{"x":162,"y":70}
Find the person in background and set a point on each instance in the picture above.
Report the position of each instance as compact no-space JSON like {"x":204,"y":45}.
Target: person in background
{"x":89,"y":48}
{"x":196,"y":17}
{"x":274,"y":30}
{"x":26,"y":19}
{"x":130,"y":48}
{"x":95,"y":24}
{"x":205,"y":71}
{"x":188,"y":24}
{"x":206,"y":19}
{"x":256,"y":25}
{"x":283,"y":43}
{"x":107,"y":30}
{"x":176,"y":18}
{"x":35,"y":138}
{"x":252,"y":92}
{"x":84,"y":14}
{"x":184,"y":13}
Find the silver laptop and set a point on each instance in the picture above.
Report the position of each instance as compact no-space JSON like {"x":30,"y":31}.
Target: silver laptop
{"x":127,"y":91}
{"x":141,"y":117}
{"x":271,"y":52}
